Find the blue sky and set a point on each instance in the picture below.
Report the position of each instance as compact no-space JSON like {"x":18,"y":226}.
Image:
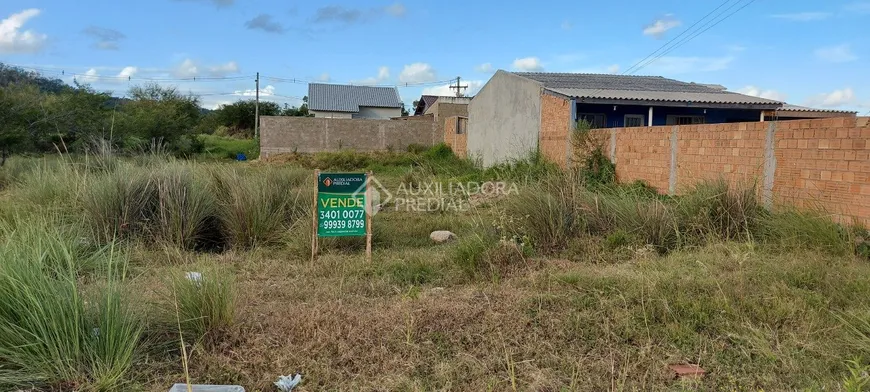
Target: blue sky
{"x":806,"y":52}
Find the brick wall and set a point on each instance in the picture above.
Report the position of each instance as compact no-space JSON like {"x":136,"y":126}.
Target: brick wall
{"x":555,"y":119}
{"x":642,"y":155}
{"x":457,"y":141}
{"x":307,"y":134}
{"x":823,"y":164}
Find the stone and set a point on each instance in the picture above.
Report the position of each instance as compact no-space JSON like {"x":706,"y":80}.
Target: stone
{"x":442,"y":236}
{"x":207,"y":388}
{"x":687,"y":371}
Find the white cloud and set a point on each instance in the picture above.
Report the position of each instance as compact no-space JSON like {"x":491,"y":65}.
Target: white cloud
{"x":90,"y":76}
{"x":566,"y":25}
{"x":128,"y":72}
{"x":445,"y":91}
{"x":264,"y":92}
{"x":190,"y":68}
{"x":484,"y":68}
{"x":613,"y":69}
{"x":324,"y":77}
{"x":833,"y":99}
{"x":861,"y":7}
{"x":758,"y":92}
{"x":680,"y":65}
{"x":187,"y":69}
{"x":836,"y":54}
{"x":383,"y":75}
{"x":396,"y":10}
{"x":661,"y":26}
{"x":224,"y":69}
{"x":528,"y":64}
{"x":14,"y":40}
{"x":417,"y":73}
{"x":803,"y":16}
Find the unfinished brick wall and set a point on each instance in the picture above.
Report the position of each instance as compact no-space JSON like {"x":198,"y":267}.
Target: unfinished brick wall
{"x":821,"y":164}
{"x":279,"y":134}
{"x":642,"y":155}
{"x":458,"y":142}
{"x":555,"y":121}
{"x":710,"y":152}
{"x":825,"y":164}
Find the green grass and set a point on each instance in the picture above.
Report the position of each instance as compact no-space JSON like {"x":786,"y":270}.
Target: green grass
{"x":559,"y":287}
{"x":222,"y":147}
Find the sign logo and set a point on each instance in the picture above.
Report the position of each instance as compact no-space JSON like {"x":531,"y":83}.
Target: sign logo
{"x":327,"y":181}
{"x":379,"y":194}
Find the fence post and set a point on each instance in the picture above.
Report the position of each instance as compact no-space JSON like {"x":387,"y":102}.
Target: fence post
{"x":672,"y":181}
{"x":769,"y":166}
{"x":613,"y":145}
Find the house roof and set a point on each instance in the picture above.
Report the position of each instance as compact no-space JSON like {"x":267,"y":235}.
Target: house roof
{"x":346,"y":98}
{"x":795,"y":108}
{"x":424,"y":103}
{"x":639,"y":88}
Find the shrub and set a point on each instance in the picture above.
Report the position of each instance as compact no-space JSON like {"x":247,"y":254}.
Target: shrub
{"x":718,"y":209}
{"x":54,"y":336}
{"x":440,"y":151}
{"x":119,"y":204}
{"x":186,"y":207}
{"x":548,"y":215}
{"x":793,"y":229}
{"x":415,"y":148}
{"x":205,"y":303}
{"x":257,"y":208}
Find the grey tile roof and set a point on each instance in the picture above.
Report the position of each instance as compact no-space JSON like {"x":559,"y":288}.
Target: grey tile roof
{"x":795,"y":108}
{"x":346,"y":98}
{"x":645,"y":88}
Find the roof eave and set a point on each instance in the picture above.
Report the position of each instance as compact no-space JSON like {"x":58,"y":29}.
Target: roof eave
{"x":712,"y":105}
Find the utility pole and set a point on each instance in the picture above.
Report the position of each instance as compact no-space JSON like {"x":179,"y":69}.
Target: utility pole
{"x":257,"y":110}
{"x":458,"y":87}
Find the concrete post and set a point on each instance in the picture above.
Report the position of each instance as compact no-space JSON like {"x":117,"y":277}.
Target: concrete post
{"x":769,"y":165}
{"x":672,"y":179}
{"x":613,"y":145}
{"x":649,"y":118}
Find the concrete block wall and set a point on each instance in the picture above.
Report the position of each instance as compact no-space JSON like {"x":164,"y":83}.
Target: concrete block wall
{"x":821,"y":164}
{"x":555,"y":129}
{"x":281,"y":135}
{"x":458,"y":142}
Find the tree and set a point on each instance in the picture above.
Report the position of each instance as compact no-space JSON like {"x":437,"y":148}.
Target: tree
{"x":158,"y":113}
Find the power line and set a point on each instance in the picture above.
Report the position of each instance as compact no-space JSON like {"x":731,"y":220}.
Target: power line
{"x":86,"y":76}
{"x":400,"y":85}
{"x":686,"y":40}
{"x":677,"y":37}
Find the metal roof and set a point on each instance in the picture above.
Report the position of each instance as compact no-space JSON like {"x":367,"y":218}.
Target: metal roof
{"x":346,"y":98}
{"x":639,"y":88}
{"x":795,"y":108}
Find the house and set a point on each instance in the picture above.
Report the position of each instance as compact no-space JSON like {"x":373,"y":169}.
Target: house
{"x":345,"y":101}
{"x":442,"y":108}
{"x":795,"y":112}
{"x":519,"y":112}
{"x":425,"y":102}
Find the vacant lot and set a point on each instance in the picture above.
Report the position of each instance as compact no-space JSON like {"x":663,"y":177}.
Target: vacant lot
{"x":569,"y":283}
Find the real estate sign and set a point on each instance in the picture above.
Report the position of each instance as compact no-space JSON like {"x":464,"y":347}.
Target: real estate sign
{"x":341,"y":205}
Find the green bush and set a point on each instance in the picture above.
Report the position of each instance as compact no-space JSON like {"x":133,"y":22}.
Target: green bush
{"x":119,"y":204}
{"x":53,"y":335}
{"x":205,"y":303}
{"x":186,"y":207}
{"x":415,"y":148}
{"x":720,"y":210}
{"x":257,"y":207}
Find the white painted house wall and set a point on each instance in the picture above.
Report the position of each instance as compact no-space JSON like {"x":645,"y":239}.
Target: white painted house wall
{"x":378,"y":113}
{"x":504,"y":119}
{"x":325,"y":114}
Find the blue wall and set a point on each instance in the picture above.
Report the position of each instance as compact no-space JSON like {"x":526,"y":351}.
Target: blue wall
{"x":616,"y":118}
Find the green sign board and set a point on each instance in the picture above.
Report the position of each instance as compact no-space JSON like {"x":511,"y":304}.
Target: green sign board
{"x":341,"y":204}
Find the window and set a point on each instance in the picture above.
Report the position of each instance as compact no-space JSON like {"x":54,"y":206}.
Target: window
{"x":460,"y":125}
{"x":595,"y":120}
{"x":634,"y":120}
{"x":686,"y":120}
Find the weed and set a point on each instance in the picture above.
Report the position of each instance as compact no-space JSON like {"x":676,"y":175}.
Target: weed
{"x":206,"y":303}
